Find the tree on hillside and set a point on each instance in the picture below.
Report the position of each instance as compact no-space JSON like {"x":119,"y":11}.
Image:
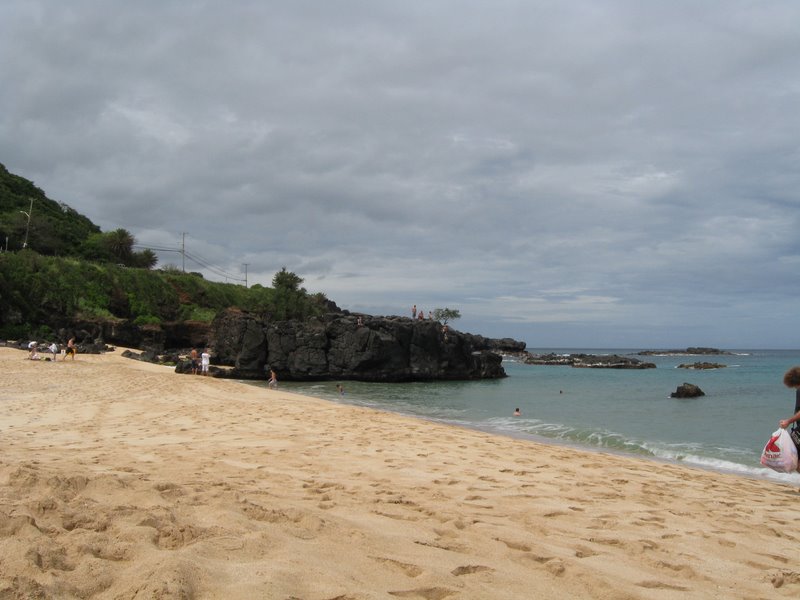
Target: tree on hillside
{"x":120,"y":244}
{"x":145,"y":259}
{"x":286,"y":280}
{"x":288,"y":297}
{"x":117,"y":247}
{"x":443,"y":315}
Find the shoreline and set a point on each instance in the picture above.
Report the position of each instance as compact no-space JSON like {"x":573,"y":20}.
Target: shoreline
{"x":118,"y":479}
{"x":712,"y":465}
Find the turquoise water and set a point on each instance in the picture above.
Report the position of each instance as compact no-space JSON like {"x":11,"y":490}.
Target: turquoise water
{"x":625,"y":411}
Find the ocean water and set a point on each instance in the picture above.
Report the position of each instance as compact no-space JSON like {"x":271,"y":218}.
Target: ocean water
{"x":622,"y":411}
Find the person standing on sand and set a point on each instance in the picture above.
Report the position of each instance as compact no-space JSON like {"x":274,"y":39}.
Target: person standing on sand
{"x":193,"y":359}
{"x":791,"y":379}
{"x":205,"y":360}
{"x":71,"y":349}
{"x":54,"y":349}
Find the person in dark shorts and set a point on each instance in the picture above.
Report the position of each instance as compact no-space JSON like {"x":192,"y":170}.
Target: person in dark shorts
{"x":791,"y":379}
{"x":71,"y":350}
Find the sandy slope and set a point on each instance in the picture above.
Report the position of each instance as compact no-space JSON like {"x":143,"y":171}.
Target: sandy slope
{"x":124,"y":480}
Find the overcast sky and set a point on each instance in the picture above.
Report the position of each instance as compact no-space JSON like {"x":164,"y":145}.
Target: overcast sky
{"x":599,"y":173}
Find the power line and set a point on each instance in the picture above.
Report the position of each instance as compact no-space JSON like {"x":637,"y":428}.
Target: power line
{"x":219,"y":271}
{"x":213,"y":268}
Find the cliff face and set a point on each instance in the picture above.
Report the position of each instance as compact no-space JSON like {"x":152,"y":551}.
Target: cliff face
{"x":343,"y":346}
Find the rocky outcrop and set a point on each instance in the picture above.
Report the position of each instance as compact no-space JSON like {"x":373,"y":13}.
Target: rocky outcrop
{"x":688,"y":352}
{"x":346,"y":346}
{"x":687,"y":390}
{"x":588,"y":361}
{"x":502,"y":345}
{"x":92,"y":334}
{"x":702,"y":366}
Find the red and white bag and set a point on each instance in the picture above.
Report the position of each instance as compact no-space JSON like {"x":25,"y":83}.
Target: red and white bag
{"x":780,"y":453}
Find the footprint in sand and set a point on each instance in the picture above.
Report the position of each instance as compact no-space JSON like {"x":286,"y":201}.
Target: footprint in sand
{"x":405,"y":568}
{"x":584,"y":552}
{"x":515,"y":545}
{"x":782,"y":578}
{"x":431,"y":593}
{"x":660,"y":585}
{"x":469,"y":570}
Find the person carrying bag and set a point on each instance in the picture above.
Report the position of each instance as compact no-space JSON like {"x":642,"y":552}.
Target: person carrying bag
{"x":780,"y":453}
{"x":791,"y":379}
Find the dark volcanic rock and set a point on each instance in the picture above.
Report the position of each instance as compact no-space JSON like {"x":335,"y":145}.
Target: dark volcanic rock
{"x":503,"y":345}
{"x":689,"y":351}
{"x":346,"y":346}
{"x":184,"y":334}
{"x":702,"y":366}
{"x":146,"y":356}
{"x":588,"y":361}
{"x":687,"y":390}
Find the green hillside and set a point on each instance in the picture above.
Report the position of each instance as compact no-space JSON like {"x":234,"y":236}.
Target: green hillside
{"x":70,"y":270}
{"x":55,"y":228}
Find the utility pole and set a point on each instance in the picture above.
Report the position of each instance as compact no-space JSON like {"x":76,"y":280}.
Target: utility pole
{"x":28,"y":226}
{"x":183,"y":252}
{"x":245,"y":274}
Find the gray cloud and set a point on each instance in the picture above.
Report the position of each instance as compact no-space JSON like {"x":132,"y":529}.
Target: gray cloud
{"x":572,"y":174}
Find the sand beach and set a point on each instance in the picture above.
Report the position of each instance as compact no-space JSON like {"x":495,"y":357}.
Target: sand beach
{"x":123,"y":480}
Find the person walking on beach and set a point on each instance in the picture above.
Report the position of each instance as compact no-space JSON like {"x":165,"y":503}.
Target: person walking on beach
{"x":273,"y":380}
{"x":71,"y":350}
{"x":54,"y":349}
{"x":205,"y":360}
{"x":791,"y":379}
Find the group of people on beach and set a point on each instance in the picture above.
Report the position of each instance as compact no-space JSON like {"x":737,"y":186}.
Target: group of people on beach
{"x":201,"y":361}
{"x":53,"y":348}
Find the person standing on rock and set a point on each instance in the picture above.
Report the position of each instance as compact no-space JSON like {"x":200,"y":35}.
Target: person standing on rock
{"x":414,"y":312}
